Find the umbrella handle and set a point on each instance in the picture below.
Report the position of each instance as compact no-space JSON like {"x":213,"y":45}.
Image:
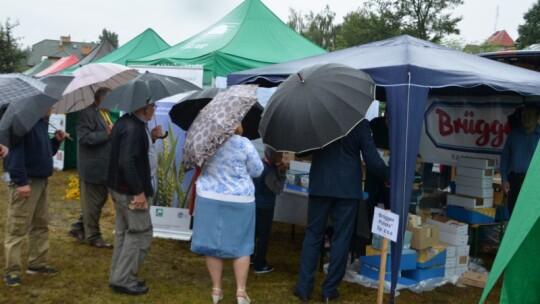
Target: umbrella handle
{"x":164,"y":135}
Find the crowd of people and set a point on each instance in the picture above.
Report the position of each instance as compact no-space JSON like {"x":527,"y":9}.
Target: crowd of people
{"x":235,"y":197}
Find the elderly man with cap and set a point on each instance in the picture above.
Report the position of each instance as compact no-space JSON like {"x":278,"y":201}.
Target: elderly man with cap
{"x":129,"y":182}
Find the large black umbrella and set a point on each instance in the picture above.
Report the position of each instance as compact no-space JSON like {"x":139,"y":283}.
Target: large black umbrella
{"x":316,"y":106}
{"x":22,"y":114}
{"x":137,"y":92}
{"x":186,"y":110}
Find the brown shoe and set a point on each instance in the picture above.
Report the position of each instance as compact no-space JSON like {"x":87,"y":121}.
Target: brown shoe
{"x":101,"y":244}
{"x":78,"y":235}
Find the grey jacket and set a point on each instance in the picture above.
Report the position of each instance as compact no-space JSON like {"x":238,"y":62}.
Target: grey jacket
{"x":93,"y":146}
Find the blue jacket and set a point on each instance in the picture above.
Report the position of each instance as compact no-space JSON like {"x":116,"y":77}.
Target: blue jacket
{"x":32,"y":156}
{"x":336,"y":170}
{"x":264,"y":197}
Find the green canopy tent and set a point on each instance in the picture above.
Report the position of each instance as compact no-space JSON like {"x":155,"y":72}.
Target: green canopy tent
{"x":520,"y":247}
{"x":249,"y":36}
{"x":45,"y":63}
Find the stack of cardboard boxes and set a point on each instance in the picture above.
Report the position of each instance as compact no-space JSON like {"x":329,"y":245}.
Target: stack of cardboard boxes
{"x":473,"y":201}
{"x":454,"y":237}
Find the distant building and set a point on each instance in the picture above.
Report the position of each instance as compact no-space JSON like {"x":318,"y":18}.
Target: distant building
{"x":56,"y":49}
{"x":501,"y":39}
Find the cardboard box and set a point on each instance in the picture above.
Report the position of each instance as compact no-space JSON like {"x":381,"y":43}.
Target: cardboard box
{"x":468,"y":201}
{"x":373,"y":273}
{"x":292,"y":177}
{"x":449,"y":272}
{"x":463,"y":250}
{"x":296,"y":188}
{"x":431,"y":257}
{"x":424,"y":274}
{"x":449,"y":225}
{"x":474,"y":172}
{"x":485,"y":183}
{"x":474,"y":279}
{"x":453,"y":239}
{"x":408,"y":260}
{"x":460,"y":270}
{"x":481,"y":163}
{"x":450,"y":262}
{"x":462,"y":260}
{"x":450,"y":250}
{"x":471,"y":216}
{"x":300,"y":166}
{"x":476,"y":192}
{"x":424,"y":236}
{"x":372,"y":251}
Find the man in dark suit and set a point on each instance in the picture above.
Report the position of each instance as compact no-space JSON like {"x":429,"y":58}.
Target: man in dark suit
{"x":93,"y":151}
{"x":335,"y":187}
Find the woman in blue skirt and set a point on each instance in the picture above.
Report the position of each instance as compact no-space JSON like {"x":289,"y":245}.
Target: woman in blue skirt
{"x":224,"y":216}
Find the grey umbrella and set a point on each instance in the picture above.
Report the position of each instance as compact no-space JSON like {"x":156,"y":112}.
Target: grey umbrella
{"x":14,"y":87}
{"x":21,"y":115}
{"x":315,"y":107}
{"x":137,"y":92}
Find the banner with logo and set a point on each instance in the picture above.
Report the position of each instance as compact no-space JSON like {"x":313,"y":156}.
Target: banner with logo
{"x":465,"y":126}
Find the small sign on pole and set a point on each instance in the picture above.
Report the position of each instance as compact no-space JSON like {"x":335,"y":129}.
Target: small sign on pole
{"x":385,"y":224}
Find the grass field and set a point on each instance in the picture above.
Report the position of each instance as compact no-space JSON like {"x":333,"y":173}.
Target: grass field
{"x":173,"y":273}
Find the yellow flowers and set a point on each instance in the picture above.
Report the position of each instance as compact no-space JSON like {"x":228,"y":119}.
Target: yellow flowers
{"x":72,"y":191}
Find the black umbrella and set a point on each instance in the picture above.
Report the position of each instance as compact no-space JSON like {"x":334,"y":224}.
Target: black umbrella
{"x":316,"y":106}
{"x":184,"y":112}
{"x":14,"y":87}
{"x":137,"y":92}
{"x":22,"y":114}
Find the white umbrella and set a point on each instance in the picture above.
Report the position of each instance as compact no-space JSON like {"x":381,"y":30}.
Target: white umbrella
{"x":80,"y":92}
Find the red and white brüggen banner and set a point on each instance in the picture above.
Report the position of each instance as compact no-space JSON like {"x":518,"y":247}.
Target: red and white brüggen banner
{"x":456,"y":127}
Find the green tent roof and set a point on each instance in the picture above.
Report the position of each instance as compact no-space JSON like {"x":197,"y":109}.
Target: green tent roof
{"x":146,"y":43}
{"x":249,"y":36}
{"x":38,"y":67}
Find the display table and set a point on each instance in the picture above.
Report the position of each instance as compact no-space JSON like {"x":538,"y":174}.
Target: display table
{"x":291,"y":207}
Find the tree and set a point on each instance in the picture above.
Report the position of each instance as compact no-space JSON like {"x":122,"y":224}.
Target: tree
{"x":428,"y":19}
{"x":109,"y":35}
{"x":375,"y":21}
{"x":318,"y":28}
{"x":529,"y":33}
{"x":11,"y":56}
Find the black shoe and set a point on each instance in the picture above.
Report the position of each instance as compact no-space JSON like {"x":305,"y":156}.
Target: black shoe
{"x":47,"y":270}
{"x":328,"y":299}
{"x":101,"y":244}
{"x":134,"y":291}
{"x":266,"y":269}
{"x":141,"y":283}
{"x":78,"y":235}
{"x":303,"y":299}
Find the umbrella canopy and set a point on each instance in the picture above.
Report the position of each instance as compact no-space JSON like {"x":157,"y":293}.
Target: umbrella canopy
{"x":14,"y":87}
{"x":216,"y":123}
{"x":186,"y":110}
{"x":137,"y":92}
{"x":88,"y":79}
{"x":22,"y":115}
{"x":321,"y":104}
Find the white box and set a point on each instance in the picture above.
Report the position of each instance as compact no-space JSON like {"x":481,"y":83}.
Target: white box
{"x":454,"y":239}
{"x":449,"y":272}
{"x":462,"y":260}
{"x":449,"y":225}
{"x":450,"y":250}
{"x":481,"y":163}
{"x":476,"y":192}
{"x":463,"y":250}
{"x":460,"y":270}
{"x":474,"y":182}
{"x":170,"y":223}
{"x":450,"y":262}
{"x":469,"y":201}
{"x":299,"y":166}
{"x":474,"y":172}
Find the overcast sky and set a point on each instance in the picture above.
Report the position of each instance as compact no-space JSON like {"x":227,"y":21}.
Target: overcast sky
{"x":177,"y":20}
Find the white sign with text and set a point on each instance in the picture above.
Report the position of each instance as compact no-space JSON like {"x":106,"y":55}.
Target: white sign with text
{"x":385,"y":224}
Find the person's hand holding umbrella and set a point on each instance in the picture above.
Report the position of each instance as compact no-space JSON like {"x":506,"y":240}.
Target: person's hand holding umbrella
{"x":61,"y":135}
{"x":3,"y":151}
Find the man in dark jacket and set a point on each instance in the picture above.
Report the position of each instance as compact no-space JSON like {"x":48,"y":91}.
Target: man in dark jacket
{"x":335,"y":187}
{"x":130,"y":186}
{"x":94,"y":128}
{"x":29,"y":164}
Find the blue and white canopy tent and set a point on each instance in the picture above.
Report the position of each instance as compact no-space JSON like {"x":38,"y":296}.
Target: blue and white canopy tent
{"x":407,"y":70}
